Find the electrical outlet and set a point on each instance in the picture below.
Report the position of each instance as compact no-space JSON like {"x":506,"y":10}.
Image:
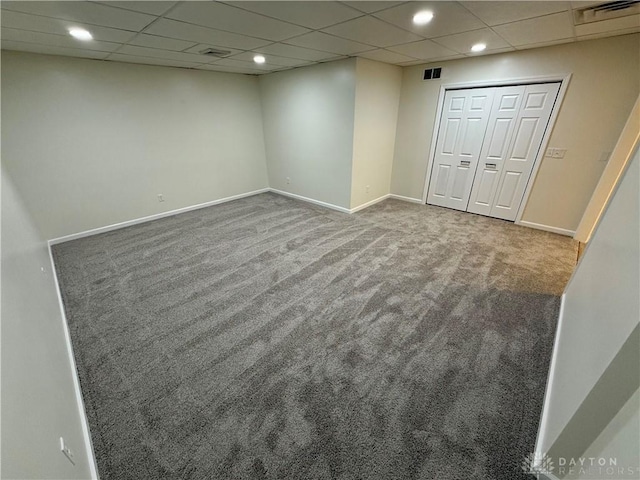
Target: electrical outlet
{"x":160,"y":197}
{"x":43,"y":270}
{"x":288,"y":180}
{"x":66,"y":451}
{"x":366,"y":189}
{"x":549,"y":152}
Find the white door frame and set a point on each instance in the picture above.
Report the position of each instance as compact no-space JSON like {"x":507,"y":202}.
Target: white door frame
{"x":564,"y":84}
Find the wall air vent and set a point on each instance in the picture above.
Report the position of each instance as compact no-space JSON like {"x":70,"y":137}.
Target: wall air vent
{"x":606,"y":11}
{"x":431,"y":73}
{"x":215,"y":52}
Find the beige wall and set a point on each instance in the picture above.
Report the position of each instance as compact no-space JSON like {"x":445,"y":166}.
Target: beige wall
{"x":38,"y":400}
{"x":600,"y":312}
{"x":308,"y":118}
{"x":376,"y":112}
{"x":611,"y":175}
{"x":92,"y":143}
{"x":604,"y":85}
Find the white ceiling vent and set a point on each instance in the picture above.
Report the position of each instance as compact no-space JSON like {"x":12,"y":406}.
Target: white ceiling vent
{"x":606,"y":11}
{"x":214,"y":52}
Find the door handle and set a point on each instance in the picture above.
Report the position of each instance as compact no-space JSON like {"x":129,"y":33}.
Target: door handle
{"x":465,"y":163}
{"x":490,"y":165}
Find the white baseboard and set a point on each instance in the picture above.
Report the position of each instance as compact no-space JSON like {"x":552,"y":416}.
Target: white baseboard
{"x":369,"y":203}
{"x":88,"y":444}
{"x":405,"y":199}
{"x":544,"y":416}
{"x":135,"y":221}
{"x":546,"y":228}
{"x":311,"y":200}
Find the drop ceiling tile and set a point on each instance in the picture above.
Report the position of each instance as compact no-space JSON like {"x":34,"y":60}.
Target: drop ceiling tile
{"x":84,"y":12}
{"x":290,"y":51}
{"x":497,"y":13}
{"x":329,"y":43}
{"x":372,"y":31}
{"x":605,"y":26}
{"x":164,"y":43}
{"x":490,"y":52}
{"x":165,"y":54}
{"x":449,"y":18}
{"x":224,"y":69}
{"x":196,"y":49}
{"x":272,"y":60}
{"x":545,"y":44}
{"x":186,"y":31}
{"x":312,"y":14}
{"x":386,"y":56}
{"x":117,"y":57}
{"x":231,"y":19}
{"x":228,"y":62}
{"x":65,"y":41}
{"x":625,"y":31}
{"x":462,"y":42}
{"x":370,"y":7}
{"x":412,"y":63}
{"x":537,"y":30}
{"x":150,"y":7}
{"x":51,"y":50}
{"x":25,"y":21}
{"x":424,"y":50}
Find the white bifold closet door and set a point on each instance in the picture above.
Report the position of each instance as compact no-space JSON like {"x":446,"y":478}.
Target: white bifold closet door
{"x":462,"y":128}
{"x":517,"y":120}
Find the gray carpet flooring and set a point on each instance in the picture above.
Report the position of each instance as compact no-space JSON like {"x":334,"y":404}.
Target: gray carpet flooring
{"x":267,"y":338}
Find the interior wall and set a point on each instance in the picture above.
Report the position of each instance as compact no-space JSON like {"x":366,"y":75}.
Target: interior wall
{"x":599,"y":316}
{"x":377,"y":101}
{"x":605,"y":82}
{"x":308,"y":118}
{"x":620,"y":440}
{"x":38,"y":400}
{"x":611,"y":175}
{"x":91,"y":143}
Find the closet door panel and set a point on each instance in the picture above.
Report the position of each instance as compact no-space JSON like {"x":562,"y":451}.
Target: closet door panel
{"x":530,"y":126}
{"x":496,"y":146}
{"x":461,"y":133}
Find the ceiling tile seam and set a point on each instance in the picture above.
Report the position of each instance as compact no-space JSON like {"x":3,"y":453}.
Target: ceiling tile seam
{"x":68,"y":20}
{"x":120,"y":7}
{"x":371,"y":15}
{"x":532,"y":18}
{"x":160,"y":59}
{"x":215,"y":30}
{"x":377,"y":11}
{"x":473,"y":14}
{"x":142,"y":30}
{"x":360,"y":14}
{"x":396,"y":53}
{"x":56,"y":46}
{"x":435,"y":39}
{"x":373,"y":47}
{"x":503,"y":39}
{"x":61,"y":35}
{"x":246,"y":11}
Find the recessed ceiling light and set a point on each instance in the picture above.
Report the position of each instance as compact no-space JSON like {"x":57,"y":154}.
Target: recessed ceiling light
{"x":259,"y":59}
{"x":80,"y":34}
{"x":478,"y":47}
{"x":422,"y":18}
